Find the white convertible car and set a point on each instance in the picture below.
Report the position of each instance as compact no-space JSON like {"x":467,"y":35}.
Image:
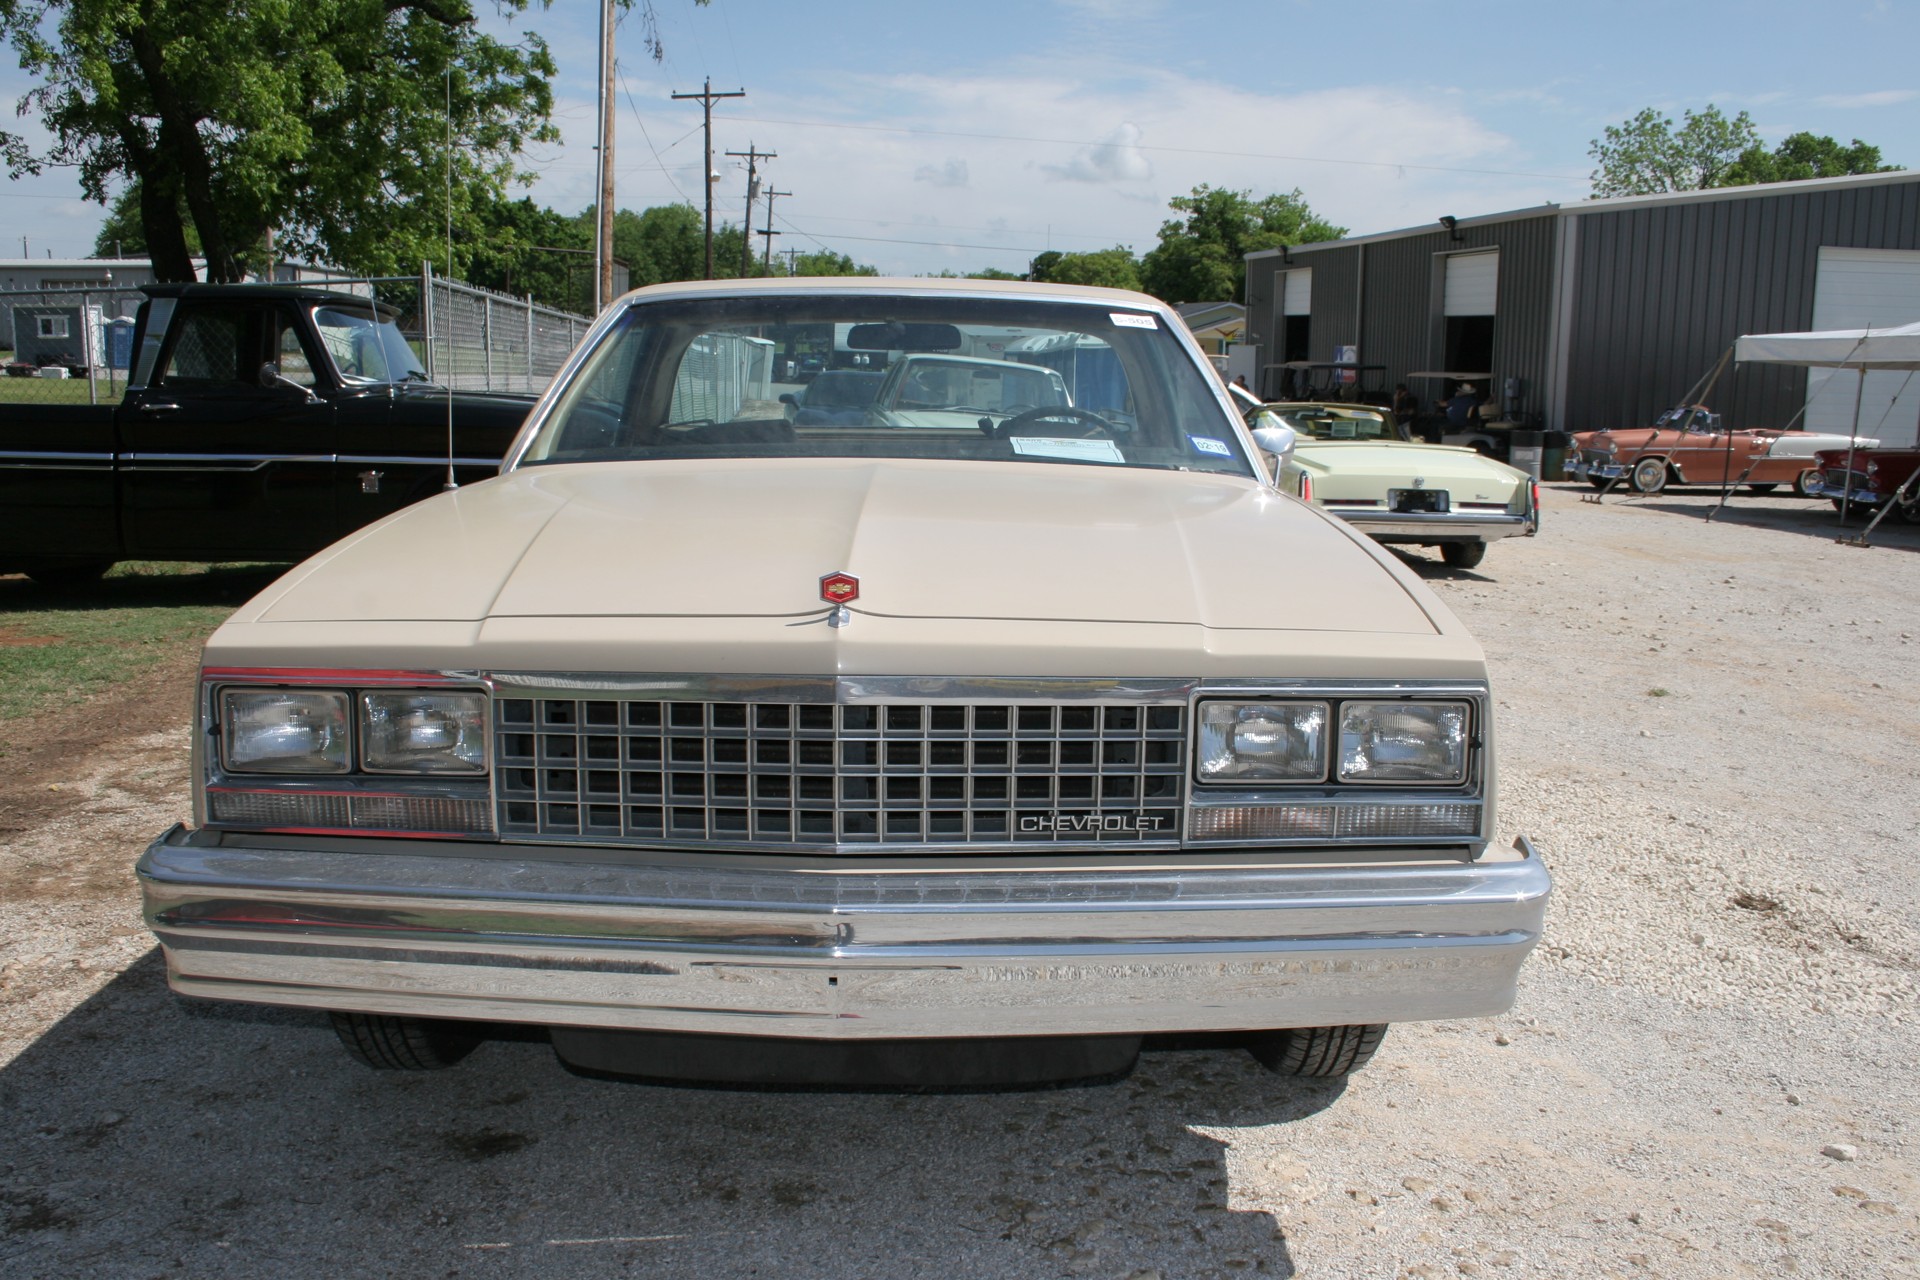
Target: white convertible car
{"x":1353,"y":461}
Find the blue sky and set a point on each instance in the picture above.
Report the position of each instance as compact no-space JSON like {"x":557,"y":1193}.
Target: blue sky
{"x":918,"y":137}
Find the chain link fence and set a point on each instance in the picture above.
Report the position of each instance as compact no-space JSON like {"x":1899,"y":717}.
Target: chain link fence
{"x":75,"y":346}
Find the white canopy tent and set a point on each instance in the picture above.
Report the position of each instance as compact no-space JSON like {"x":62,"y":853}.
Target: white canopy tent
{"x":1862,"y":350}
{"x":1866,"y":350}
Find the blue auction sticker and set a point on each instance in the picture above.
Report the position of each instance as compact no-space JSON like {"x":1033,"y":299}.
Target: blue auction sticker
{"x":1206,"y":444}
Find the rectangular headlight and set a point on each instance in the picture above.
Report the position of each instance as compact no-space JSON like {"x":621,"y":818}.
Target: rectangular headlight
{"x":1256,"y":742}
{"x":418,"y":732}
{"x":1420,"y":742}
{"x":285,"y":730}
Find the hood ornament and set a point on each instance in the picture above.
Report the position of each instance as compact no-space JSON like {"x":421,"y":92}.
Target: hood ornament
{"x":837,"y":589}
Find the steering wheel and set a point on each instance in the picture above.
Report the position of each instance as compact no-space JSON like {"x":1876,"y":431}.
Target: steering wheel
{"x":1086,"y":416}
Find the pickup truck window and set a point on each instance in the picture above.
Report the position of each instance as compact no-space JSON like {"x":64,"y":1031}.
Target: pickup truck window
{"x":295,"y":365}
{"x":366,"y":349}
{"x":206,"y":349}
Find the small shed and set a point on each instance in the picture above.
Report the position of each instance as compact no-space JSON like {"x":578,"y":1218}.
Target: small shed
{"x":57,"y":333}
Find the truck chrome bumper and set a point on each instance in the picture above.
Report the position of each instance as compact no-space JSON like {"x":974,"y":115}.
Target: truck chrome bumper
{"x":1436,"y":526}
{"x":682,"y":944}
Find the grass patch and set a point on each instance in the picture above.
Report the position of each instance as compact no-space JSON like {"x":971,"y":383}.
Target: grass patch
{"x":1659,"y":693}
{"x":59,"y":390}
{"x":59,"y":648}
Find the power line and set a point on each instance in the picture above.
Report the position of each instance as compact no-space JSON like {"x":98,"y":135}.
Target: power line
{"x":1186,"y":151}
{"x":753,"y":156}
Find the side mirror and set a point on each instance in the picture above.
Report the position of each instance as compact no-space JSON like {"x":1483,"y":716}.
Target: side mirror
{"x":1277,"y":438}
{"x":786,"y":397}
{"x":271,"y":377}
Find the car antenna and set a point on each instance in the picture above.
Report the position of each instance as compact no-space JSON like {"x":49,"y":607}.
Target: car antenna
{"x":451,"y":483}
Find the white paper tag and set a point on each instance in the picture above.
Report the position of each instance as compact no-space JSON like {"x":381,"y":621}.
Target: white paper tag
{"x":1071,"y":450}
{"x":1128,"y":320}
{"x":1207,"y":444}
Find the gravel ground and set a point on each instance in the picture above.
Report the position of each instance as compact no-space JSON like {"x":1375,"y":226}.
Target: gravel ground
{"x":1708,"y":728}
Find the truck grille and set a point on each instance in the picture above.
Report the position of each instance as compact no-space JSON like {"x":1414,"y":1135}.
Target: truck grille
{"x":784,"y":775}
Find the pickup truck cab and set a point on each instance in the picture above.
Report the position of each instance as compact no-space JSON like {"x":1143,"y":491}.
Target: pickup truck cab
{"x":259,"y":423}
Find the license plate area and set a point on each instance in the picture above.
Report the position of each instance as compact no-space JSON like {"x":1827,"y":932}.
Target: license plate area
{"x":1418,"y":501}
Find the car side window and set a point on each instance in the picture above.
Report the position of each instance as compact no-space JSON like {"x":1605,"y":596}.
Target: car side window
{"x":206,"y":350}
{"x":289,"y":353}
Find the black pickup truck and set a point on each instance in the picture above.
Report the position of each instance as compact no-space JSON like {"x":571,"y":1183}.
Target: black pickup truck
{"x":260,"y":422}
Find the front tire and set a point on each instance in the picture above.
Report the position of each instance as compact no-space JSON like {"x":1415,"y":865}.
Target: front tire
{"x":1803,"y":484}
{"x":1316,"y":1051}
{"x":388,"y":1043}
{"x":1649,"y":475}
{"x":1463,"y":555}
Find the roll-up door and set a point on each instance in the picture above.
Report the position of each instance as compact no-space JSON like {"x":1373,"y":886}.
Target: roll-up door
{"x":1472,"y":283}
{"x":1861,"y":289}
{"x":1296,"y":297}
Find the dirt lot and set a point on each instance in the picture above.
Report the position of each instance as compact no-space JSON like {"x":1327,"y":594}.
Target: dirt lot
{"x":1708,"y":728}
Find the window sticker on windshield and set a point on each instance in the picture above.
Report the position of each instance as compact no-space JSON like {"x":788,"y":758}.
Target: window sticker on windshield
{"x":1070,"y":450}
{"x":1127,"y":320}
{"x":1206,"y":444}
{"x":1341,"y":430}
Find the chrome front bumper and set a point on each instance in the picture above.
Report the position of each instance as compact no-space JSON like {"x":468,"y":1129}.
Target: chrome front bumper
{"x":1838,"y":492}
{"x":1436,"y":526}
{"x":745,"y":946}
{"x":1579,"y":470}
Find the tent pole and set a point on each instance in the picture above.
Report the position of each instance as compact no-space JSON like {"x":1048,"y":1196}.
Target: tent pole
{"x":1853,"y":441}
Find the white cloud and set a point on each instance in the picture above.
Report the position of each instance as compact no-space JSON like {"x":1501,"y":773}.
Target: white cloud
{"x":1879,"y":98}
{"x":951,"y":174}
{"x":1118,"y":159}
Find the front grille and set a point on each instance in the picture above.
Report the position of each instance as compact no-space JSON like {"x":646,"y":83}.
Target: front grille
{"x":787,"y":774}
{"x":1838,"y":478}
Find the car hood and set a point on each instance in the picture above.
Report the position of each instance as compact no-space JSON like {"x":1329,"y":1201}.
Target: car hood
{"x":928,"y":540}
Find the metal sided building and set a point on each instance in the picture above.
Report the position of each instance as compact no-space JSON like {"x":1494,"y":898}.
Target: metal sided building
{"x":1609,"y":311}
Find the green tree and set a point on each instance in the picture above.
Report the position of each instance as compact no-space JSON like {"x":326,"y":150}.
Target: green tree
{"x":324,"y":121}
{"x":1646,"y":155}
{"x":662,"y":244}
{"x":994,"y":273}
{"x":123,"y":233}
{"x":1115,"y":268}
{"x":1801,"y":156}
{"x":524,"y":248}
{"x":826,"y":262}
{"x":1202,"y":257}
{"x":1040,"y":270}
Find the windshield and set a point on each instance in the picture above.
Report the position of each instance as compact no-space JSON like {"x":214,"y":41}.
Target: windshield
{"x":1326,"y":423}
{"x":903,"y":376}
{"x":366,"y":349}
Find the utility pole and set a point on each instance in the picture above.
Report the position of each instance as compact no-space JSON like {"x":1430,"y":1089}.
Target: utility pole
{"x":707,"y":98}
{"x":793,"y":259}
{"x":766,"y":256}
{"x":603,"y":223}
{"x":753,"y":156}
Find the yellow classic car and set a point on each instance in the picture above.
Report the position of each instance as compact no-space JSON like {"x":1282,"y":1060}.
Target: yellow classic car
{"x":1354,"y":461}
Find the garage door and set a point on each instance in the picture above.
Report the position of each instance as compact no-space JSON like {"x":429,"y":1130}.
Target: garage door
{"x":1860,"y":289}
{"x":1473,"y":281}
{"x":1296,"y":295}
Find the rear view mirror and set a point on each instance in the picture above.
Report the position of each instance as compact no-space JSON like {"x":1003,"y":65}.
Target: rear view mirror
{"x":895,"y":336}
{"x":269,"y":375}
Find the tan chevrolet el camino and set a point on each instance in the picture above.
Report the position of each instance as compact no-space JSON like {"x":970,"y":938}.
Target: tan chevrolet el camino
{"x":1002,"y":725}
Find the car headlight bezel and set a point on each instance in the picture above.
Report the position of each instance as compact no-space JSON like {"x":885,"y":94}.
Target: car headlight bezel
{"x":1453,"y":737}
{"x":1305,"y":720}
{"x":239,"y":703}
{"x":468,"y":756}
